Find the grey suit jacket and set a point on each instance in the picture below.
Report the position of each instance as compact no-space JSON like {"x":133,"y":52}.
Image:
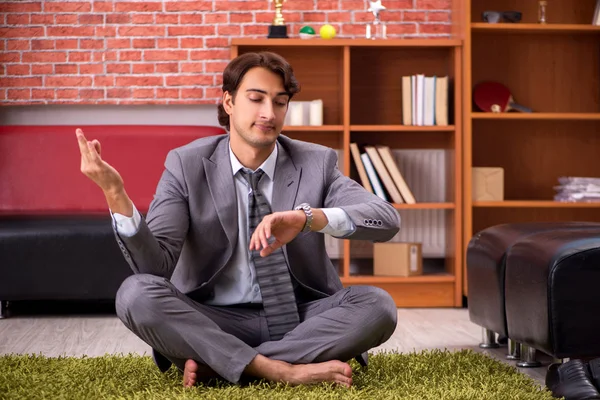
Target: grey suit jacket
{"x":190,"y":231}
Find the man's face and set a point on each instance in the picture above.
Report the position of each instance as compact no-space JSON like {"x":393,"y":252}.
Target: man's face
{"x":258,"y":111}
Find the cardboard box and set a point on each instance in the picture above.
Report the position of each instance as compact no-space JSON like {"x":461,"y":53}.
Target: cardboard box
{"x":397,"y":259}
{"x":488,"y":184}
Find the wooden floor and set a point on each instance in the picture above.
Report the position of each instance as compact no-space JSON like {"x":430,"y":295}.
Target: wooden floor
{"x":95,"y":335}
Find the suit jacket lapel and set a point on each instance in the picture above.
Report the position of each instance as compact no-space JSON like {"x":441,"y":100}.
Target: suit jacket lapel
{"x":286,"y":181}
{"x":222,"y":189}
{"x":285,"y":188}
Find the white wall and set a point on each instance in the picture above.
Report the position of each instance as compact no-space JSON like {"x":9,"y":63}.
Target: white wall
{"x":109,"y":115}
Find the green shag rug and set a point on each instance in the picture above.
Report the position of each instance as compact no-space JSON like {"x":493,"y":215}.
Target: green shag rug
{"x":431,"y":374}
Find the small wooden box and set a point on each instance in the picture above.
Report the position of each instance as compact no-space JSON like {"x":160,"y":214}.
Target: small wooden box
{"x":397,"y":259}
{"x":488,"y":184}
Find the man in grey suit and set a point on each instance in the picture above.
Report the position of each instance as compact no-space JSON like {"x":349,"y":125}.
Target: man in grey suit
{"x":196,"y":297}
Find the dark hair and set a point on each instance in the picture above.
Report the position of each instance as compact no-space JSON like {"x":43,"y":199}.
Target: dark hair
{"x":237,"y":68}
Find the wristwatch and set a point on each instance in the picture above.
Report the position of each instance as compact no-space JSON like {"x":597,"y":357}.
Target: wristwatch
{"x":309,"y":216}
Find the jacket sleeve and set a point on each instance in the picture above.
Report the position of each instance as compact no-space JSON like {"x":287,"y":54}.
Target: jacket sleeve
{"x":156,"y":246}
{"x":375,"y":219}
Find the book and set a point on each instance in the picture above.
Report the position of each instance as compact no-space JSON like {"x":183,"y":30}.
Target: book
{"x":373,"y":176}
{"x":384,"y":174}
{"x":362,"y":173}
{"x":407,"y":100}
{"x":429,"y":100}
{"x":394,"y":171}
{"x":441,"y":101}
{"x":425,"y":100}
{"x":420,"y":99}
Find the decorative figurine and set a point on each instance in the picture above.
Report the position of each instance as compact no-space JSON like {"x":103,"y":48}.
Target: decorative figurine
{"x":278,"y":28}
{"x":376,"y":29}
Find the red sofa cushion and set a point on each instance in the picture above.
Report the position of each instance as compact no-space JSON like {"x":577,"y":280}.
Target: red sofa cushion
{"x":40,"y":165}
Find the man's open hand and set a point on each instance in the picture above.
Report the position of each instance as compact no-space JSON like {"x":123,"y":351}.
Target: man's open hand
{"x":98,"y":170}
{"x":282,"y":226}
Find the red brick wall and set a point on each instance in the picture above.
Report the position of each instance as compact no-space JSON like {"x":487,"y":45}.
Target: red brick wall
{"x":162,"y":52}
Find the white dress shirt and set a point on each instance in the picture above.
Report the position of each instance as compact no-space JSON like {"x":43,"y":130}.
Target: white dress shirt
{"x":237,"y":283}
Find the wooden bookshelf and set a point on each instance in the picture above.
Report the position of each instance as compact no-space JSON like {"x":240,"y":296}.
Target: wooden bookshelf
{"x":425,"y":206}
{"x":324,"y":128}
{"x":360,"y":83}
{"x":535,"y":28}
{"x":344,"y":43}
{"x":537,"y":115}
{"x":401,"y":128}
{"x":534,"y":204}
{"x":552,"y":68}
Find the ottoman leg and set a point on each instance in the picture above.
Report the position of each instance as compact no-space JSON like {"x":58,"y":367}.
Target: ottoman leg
{"x":3,"y":309}
{"x":528,"y":357}
{"x":488,"y":339}
{"x":514,"y":350}
{"x":502,"y":340}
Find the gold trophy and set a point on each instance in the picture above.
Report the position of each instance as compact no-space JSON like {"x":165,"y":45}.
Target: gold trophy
{"x":278,"y":30}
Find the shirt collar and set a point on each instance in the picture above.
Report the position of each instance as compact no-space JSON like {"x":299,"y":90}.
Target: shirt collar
{"x":268,"y":166}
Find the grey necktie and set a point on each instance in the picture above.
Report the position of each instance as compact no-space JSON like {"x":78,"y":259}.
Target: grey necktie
{"x":272,"y":272}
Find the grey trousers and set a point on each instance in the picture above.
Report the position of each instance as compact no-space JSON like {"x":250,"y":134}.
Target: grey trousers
{"x":227,"y":339}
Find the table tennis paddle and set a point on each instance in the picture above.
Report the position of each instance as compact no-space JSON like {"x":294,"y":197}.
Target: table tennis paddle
{"x":495,"y":97}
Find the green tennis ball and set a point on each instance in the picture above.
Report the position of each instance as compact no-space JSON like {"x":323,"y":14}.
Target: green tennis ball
{"x":307,"y":32}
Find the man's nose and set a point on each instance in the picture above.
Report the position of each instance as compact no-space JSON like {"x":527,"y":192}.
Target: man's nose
{"x":267,"y":112}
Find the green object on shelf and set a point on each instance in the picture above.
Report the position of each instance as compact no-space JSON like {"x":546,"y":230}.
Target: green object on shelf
{"x":307,"y":32}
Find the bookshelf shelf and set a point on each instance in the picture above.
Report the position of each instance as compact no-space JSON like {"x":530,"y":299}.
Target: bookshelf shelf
{"x":534,"y":204}
{"x":485,"y":27}
{"x":425,"y":206}
{"x":339,"y":43}
{"x":322,"y":128}
{"x":401,"y":128}
{"x":366,"y":111}
{"x":536,"y":116}
{"x":556,"y":74}
{"x":367,"y":279}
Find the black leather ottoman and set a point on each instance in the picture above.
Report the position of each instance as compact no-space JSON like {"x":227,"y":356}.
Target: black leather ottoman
{"x":485,"y":263}
{"x":63,"y":258}
{"x":552,"y":290}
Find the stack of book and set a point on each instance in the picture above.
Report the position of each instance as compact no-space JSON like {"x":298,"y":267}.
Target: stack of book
{"x":577,"y":189}
{"x":379,"y":174}
{"x":425,"y":100}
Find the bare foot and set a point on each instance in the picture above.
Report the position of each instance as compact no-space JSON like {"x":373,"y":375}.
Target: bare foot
{"x":189,"y":373}
{"x":194,"y":372}
{"x":300,"y":374}
{"x":330,"y":371}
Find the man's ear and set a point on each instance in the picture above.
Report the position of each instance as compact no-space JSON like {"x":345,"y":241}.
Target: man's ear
{"x":228,"y":102}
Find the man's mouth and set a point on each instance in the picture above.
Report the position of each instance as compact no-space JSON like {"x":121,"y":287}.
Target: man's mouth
{"x":264,"y":127}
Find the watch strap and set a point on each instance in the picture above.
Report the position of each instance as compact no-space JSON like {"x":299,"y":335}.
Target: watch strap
{"x":309,"y":215}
